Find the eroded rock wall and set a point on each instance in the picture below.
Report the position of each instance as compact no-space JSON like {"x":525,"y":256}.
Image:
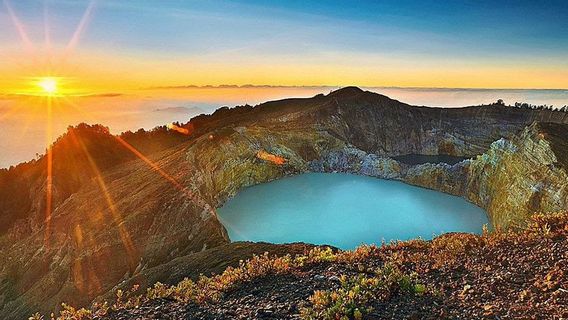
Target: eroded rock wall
{"x":517,"y":178}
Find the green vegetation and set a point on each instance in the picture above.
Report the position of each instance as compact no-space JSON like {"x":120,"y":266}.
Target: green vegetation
{"x":528,"y":106}
{"x":352,"y":300}
{"x":210,"y":289}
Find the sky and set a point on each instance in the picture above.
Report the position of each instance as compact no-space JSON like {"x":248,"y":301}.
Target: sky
{"x":110,"y":45}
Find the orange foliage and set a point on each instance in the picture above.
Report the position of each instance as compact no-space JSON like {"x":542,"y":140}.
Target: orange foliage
{"x":179,"y":129}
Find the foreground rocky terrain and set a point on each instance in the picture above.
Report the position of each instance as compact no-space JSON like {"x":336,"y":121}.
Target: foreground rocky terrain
{"x":122,"y":209}
{"x":520,"y":275}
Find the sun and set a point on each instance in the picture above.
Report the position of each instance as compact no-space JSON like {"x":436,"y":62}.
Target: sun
{"x":48,"y":86}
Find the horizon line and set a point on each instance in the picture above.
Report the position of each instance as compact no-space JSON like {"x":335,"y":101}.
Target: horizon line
{"x":11,"y":95}
{"x":245,"y":86}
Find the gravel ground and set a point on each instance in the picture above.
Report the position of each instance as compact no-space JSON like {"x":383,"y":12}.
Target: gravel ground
{"x":512,"y":277}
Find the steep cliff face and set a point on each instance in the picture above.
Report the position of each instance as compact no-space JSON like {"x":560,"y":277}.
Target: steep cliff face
{"x":133,"y":213}
{"x":519,"y":177}
{"x":515,"y":178}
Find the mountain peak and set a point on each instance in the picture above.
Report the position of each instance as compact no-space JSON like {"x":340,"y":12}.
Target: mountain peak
{"x":346,"y":92}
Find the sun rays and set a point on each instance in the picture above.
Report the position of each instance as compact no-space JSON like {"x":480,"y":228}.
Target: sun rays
{"x":74,"y":41}
{"x":49,"y":169}
{"x":127,"y":242}
{"x":48,"y":89}
{"x":19,"y":26}
{"x":43,"y":66}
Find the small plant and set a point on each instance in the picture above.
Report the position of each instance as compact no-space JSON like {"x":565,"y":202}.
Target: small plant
{"x":349,"y":302}
{"x":545,"y":224}
{"x":359,"y":254}
{"x":447,"y":248}
{"x":70,"y":313}
{"x":321,"y":255}
{"x":354,"y":298}
{"x":36,"y":316}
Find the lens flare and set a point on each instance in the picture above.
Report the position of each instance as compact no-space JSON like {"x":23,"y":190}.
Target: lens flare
{"x":174,"y":127}
{"x":48,"y":86}
{"x":278,"y":160}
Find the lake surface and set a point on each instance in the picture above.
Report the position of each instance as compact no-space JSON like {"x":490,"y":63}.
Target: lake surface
{"x":414,"y":159}
{"x":344,"y":210}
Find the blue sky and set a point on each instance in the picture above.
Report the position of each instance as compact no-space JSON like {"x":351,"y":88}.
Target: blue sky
{"x":526,"y":24}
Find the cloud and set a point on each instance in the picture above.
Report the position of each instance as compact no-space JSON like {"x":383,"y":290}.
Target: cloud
{"x":244,"y":86}
{"x":183,"y":110}
{"x":102,"y":95}
{"x":13,"y":96}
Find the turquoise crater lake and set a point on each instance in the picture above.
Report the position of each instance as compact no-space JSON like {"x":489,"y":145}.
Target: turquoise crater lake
{"x":344,"y":210}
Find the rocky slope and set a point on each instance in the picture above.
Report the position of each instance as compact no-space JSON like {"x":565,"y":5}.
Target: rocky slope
{"x":121,"y":208}
{"x":517,"y":275}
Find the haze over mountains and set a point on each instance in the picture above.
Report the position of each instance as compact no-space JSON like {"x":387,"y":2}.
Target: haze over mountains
{"x":24,"y":126}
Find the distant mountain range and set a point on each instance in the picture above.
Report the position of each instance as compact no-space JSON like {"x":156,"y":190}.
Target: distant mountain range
{"x":183,"y":110}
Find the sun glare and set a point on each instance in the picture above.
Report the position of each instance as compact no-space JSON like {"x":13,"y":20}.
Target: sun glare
{"x":48,"y":86}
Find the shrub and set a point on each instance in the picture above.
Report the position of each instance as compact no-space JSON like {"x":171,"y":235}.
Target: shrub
{"x":354,"y":298}
{"x":350,"y":301}
{"x":546,"y":223}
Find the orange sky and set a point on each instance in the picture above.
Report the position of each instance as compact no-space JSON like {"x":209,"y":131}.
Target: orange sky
{"x":101,"y":72}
